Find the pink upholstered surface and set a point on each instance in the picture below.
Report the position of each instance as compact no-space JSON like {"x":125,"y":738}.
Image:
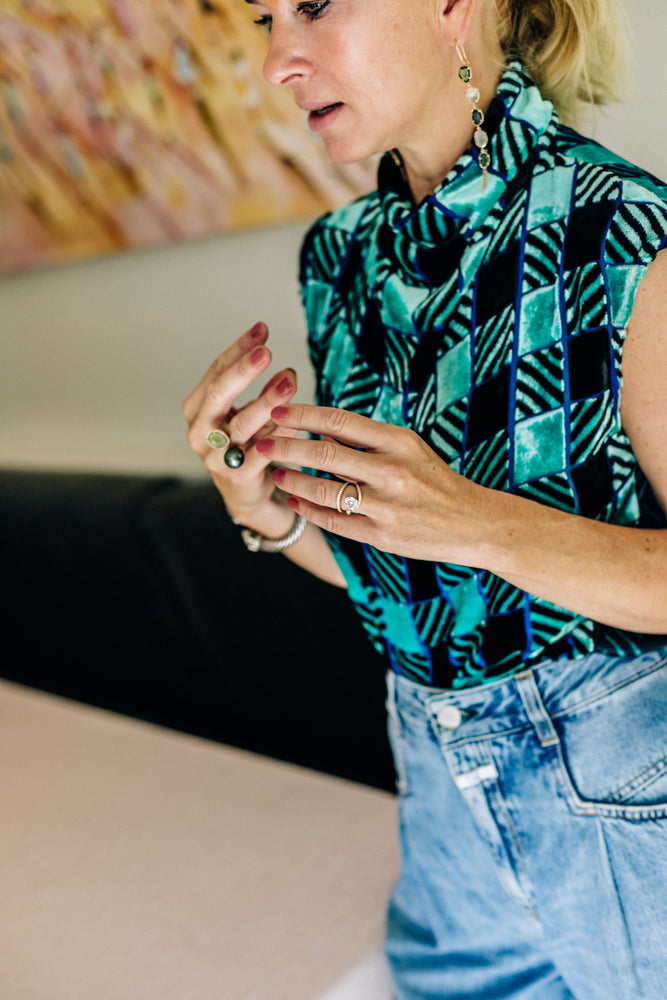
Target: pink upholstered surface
{"x":142,"y":864}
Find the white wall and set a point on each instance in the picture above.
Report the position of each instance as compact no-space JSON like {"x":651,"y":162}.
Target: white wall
{"x":96,"y":357}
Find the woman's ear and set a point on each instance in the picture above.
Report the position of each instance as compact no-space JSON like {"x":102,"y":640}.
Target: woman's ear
{"x":456,"y":19}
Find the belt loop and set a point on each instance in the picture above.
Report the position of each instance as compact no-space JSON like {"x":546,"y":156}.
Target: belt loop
{"x":535,"y":710}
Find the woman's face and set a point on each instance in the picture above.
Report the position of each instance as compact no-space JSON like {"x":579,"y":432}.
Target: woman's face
{"x":370,"y":73}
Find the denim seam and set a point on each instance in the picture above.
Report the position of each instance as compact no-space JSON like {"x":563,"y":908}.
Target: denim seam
{"x":482,"y":737}
{"x":396,"y":737}
{"x":591,"y":700}
{"x":513,"y":851}
{"x":631,"y":988}
{"x":536,"y":710}
{"x":591,"y":807}
{"x":641,"y":781}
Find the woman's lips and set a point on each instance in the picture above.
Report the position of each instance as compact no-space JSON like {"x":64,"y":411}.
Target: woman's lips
{"x":318,"y":118}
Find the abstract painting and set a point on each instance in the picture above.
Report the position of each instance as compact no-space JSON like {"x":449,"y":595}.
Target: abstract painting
{"x":132,"y":123}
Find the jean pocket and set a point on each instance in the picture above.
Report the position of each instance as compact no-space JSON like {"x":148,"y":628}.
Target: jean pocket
{"x":614,"y":750}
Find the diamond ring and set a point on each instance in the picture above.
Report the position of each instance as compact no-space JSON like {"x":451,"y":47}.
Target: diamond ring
{"x":348,"y":505}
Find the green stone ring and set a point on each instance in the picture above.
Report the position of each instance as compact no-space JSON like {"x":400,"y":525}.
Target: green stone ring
{"x":234,"y":457}
{"x":217,"y":439}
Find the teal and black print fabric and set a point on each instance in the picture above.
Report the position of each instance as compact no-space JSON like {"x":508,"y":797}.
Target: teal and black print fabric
{"x":491,"y":322}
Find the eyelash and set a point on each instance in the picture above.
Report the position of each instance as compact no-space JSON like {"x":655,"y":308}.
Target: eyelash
{"x":312,"y":9}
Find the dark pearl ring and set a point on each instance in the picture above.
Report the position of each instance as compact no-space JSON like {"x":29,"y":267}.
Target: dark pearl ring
{"x":234,"y":457}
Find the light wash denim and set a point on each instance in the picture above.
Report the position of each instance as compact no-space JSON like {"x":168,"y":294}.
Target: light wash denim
{"x":533,"y":829}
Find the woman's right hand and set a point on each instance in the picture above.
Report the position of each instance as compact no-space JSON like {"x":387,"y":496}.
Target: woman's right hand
{"x":246,"y":490}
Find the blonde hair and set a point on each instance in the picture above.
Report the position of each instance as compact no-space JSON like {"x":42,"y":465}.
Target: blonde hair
{"x":575,"y":50}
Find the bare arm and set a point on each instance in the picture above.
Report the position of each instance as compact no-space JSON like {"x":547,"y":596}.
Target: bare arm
{"x":617,"y":576}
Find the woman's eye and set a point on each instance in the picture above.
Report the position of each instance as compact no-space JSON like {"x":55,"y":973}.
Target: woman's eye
{"x":313,"y":10}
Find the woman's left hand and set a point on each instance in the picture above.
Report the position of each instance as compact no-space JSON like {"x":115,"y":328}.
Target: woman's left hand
{"x":412,"y":503}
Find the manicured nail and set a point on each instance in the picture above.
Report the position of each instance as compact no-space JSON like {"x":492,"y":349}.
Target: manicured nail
{"x":293,"y":503}
{"x":278,"y":476}
{"x":279,"y":413}
{"x":258,"y":356}
{"x":257,"y":331}
{"x":264,"y":446}
{"x":285,"y":386}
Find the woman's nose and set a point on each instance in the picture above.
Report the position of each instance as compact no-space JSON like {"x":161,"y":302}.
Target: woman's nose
{"x":286,"y":62}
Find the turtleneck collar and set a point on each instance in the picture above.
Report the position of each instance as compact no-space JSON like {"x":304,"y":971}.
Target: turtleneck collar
{"x":516,"y":120}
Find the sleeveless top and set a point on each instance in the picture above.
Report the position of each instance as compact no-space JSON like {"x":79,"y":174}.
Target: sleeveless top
{"x":491,"y":322}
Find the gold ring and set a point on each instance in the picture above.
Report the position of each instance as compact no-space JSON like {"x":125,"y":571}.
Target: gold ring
{"x":218,"y":439}
{"x":350,"y":505}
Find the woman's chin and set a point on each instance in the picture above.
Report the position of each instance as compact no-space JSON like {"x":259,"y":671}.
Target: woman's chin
{"x":347,"y":151}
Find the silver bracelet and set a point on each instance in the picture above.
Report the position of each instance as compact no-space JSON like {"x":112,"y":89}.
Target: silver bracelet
{"x":256,"y":542}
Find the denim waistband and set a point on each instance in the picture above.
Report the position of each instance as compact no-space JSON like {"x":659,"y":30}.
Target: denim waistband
{"x":505,"y":705}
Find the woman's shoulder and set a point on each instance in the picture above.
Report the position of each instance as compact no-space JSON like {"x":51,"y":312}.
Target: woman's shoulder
{"x":621,"y":176}
{"x":327,"y":244}
{"x":609,"y":198}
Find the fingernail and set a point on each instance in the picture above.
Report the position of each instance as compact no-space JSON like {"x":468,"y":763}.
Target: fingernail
{"x":278,"y":476}
{"x":257,"y":331}
{"x":293,"y":503}
{"x":257,"y":356}
{"x":279,"y":413}
{"x":265,"y":446}
{"x":285,"y":386}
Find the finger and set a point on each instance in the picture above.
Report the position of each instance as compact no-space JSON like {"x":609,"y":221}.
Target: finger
{"x":324,"y":455}
{"x":220,"y":394}
{"x":329,"y":494}
{"x":252,"y":466}
{"x":270,"y":430}
{"x":251,"y":420}
{"x":355,"y":527}
{"x":267,"y":430}
{"x":252,"y":338}
{"x":342,"y":425}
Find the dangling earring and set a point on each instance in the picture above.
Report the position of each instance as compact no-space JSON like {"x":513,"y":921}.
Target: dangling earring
{"x":480,"y":138}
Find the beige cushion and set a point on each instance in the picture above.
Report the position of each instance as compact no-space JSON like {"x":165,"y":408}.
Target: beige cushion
{"x":141,"y":864}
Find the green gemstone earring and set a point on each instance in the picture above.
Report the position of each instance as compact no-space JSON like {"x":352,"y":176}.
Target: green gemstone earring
{"x":480,"y":137}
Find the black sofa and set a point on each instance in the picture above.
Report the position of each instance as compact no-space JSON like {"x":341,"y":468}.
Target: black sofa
{"x":136,"y":594}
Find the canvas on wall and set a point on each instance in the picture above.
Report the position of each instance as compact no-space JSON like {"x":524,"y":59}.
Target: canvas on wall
{"x":131,"y":123}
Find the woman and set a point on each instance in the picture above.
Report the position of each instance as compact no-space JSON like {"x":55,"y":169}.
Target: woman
{"x":494,"y":506}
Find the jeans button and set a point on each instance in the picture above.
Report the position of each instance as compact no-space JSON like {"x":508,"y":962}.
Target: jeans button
{"x":449,"y":716}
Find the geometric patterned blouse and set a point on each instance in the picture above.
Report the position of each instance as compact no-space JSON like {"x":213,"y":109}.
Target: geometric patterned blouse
{"x":491,"y":322}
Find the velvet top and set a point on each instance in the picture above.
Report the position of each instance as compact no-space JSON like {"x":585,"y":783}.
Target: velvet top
{"x":491,"y":322}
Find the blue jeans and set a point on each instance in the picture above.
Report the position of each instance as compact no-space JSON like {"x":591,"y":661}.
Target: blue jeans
{"x":533,"y":828}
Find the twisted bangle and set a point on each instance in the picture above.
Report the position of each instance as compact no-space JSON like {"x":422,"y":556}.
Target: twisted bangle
{"x":257,"y":542}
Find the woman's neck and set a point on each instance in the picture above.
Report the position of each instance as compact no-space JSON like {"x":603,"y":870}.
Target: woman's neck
{"x":427,"y":165}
